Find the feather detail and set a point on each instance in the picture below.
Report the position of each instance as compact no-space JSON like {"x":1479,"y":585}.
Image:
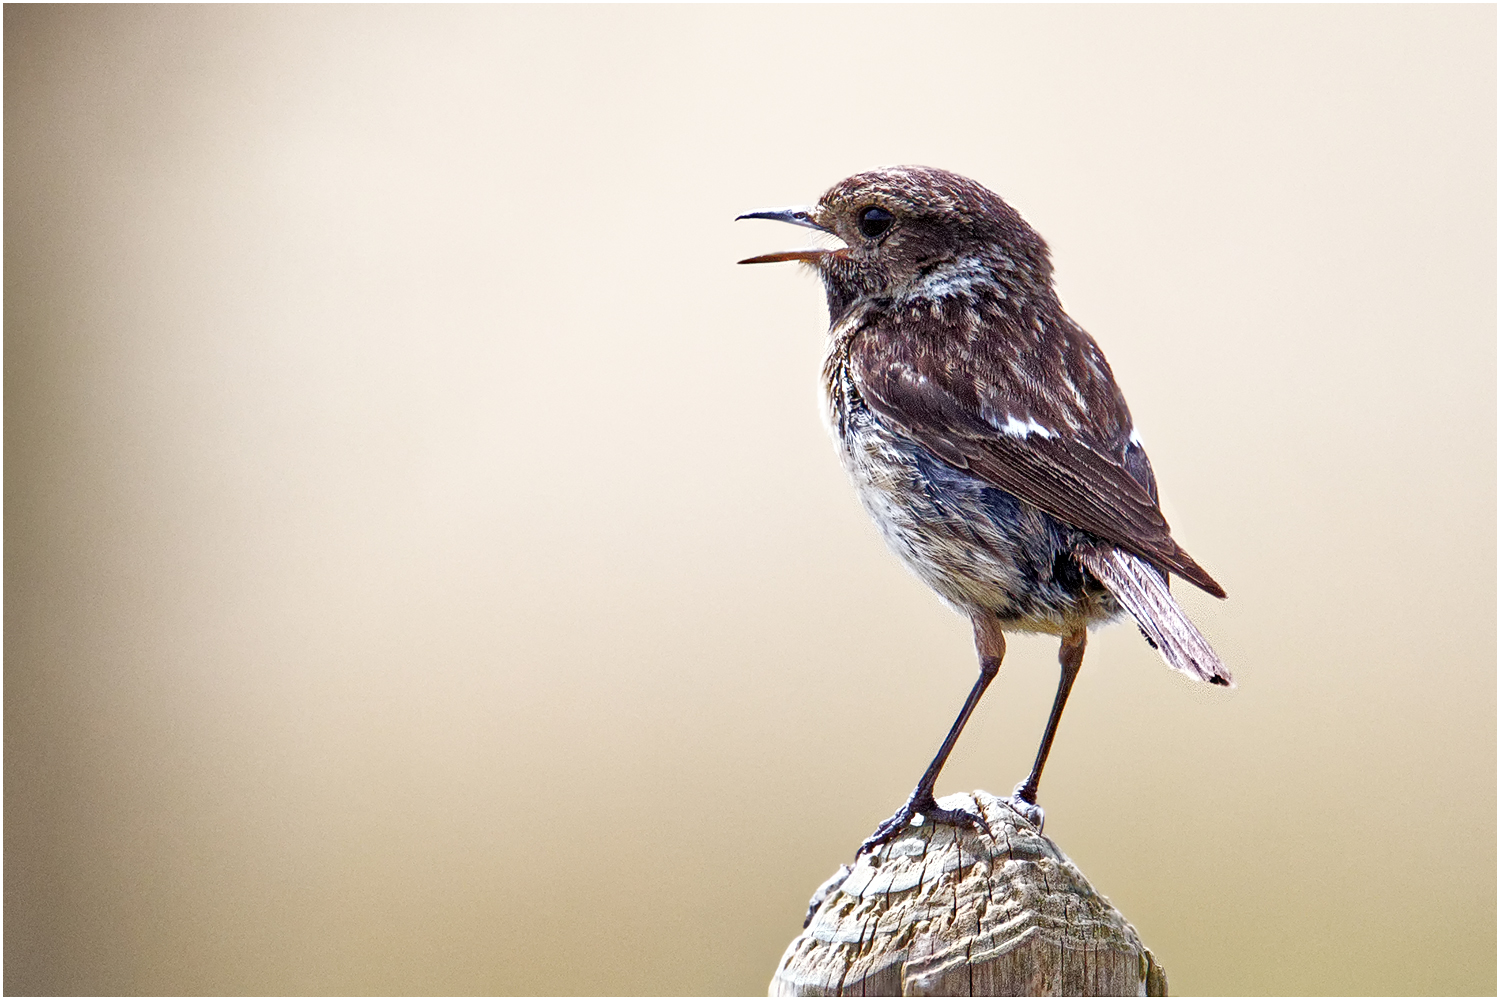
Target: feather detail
{"x":974,"y":407}
{"x":1141,"y":590}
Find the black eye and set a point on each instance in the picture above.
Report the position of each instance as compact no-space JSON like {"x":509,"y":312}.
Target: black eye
{"x":874,"y":221}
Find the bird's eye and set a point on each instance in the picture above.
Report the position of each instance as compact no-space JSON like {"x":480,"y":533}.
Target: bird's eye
{"x":874,"y":221}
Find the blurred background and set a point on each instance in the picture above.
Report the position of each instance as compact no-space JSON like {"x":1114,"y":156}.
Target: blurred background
{"x":426,"y":569}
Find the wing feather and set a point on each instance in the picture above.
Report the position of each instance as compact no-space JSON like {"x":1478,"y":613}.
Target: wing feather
{"x":988,"y":413}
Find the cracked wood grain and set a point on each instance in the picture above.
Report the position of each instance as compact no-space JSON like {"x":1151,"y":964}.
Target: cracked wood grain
{"x":944,"y":911}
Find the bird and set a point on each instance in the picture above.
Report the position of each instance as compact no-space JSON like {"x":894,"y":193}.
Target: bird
{"x":984,"y":433}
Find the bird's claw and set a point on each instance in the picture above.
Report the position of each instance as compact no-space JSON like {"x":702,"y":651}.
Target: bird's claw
{"x":926,"y":807}
{"x":1020,"y":801}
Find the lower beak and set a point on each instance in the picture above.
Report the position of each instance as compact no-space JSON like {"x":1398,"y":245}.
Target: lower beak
{"x":797,"y":217}
{"x":811,"y":256}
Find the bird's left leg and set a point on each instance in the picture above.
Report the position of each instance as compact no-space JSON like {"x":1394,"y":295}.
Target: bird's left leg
{"x":989,"y":642}
{"x":1070,"y":658}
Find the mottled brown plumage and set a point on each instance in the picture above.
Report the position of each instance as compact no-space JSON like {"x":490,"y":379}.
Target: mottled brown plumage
{"x":939,"y":384}
{"x":985,"y":433}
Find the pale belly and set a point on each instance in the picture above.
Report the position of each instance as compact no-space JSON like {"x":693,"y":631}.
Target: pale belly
{"x":980,"y":548}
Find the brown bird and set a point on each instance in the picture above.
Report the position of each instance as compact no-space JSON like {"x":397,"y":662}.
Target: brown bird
{"x":985,"y":435}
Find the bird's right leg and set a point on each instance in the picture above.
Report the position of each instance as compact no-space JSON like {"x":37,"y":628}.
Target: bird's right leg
{"x":1070,"y":658}
{"x":990,"y":644}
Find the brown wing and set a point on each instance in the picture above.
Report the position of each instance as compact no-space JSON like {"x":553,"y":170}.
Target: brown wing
{"x":990,"y":405}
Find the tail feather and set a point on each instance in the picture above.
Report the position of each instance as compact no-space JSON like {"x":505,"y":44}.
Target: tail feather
{"x":1141,"y":590}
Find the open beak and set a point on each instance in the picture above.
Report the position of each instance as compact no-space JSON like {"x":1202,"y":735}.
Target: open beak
{"x":797,"y":217}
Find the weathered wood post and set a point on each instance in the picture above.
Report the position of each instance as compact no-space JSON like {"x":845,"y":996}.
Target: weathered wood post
{"x":944,"y":911}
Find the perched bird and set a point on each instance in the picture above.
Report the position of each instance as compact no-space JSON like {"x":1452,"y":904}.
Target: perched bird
{"x":984,"y":433}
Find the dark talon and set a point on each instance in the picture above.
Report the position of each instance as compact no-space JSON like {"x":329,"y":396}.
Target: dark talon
{"x":1020,"y":801}
{"x":923,"y":805}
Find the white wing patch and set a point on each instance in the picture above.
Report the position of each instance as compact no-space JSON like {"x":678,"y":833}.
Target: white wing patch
{"x":1017,"y":429}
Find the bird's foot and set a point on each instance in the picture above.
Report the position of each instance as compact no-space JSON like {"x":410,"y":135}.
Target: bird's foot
{"x":1021,"y":802}
{"x":924,"y":805}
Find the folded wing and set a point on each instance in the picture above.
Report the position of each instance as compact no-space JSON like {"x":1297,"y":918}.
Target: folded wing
{"x":988,"y":414}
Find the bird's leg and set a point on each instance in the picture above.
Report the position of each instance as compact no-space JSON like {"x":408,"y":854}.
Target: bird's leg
{"x":1070,"y":657}
{"x":990,"y":643}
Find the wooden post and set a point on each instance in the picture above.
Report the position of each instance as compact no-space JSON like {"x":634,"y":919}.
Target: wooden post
{"x":945,"y":911}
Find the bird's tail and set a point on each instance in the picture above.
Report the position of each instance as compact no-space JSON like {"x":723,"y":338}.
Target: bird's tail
{"x":1143,"y":592}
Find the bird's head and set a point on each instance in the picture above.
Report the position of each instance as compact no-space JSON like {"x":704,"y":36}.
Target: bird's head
{"x":910,"y":231}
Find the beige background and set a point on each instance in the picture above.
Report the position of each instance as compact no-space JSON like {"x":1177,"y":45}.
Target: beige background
{"x":426,"y":569}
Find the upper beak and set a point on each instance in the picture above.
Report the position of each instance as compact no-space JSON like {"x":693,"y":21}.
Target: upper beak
{"x":797,"y":217}
{"x":802,"y":216}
